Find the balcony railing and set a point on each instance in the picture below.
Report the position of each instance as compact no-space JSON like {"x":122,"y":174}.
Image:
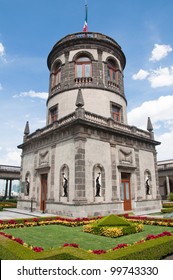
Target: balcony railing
{"x":93,"y":35}
{"x":94,"y":118}
{"x":83,"y":80}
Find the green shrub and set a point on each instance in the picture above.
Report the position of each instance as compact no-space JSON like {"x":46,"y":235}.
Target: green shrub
{"x":167,"y":210}
{"x":111,"y":220}
{"x":150,"y":250}
{"x":112,"y":226}
{"x":170,"y":197}
{"x":168,"y":205}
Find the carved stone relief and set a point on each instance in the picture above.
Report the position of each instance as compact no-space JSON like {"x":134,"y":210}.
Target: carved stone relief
{"x":125,"y":156}
{"x":44,"y":158}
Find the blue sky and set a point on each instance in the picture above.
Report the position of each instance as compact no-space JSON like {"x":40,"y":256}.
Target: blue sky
{"x":30,"y":28}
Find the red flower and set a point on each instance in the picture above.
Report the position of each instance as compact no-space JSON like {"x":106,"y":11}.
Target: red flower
{"x":18,"y":240}
{"x":35,"y":220}
{"x":150,"y":236}
{"x":38,"y":249}
{"x":98,"y":252}
{"x":119,"y":246}
{"x":12,"y":222}
{"x":71,"y":245}
{"x":1,"y":221}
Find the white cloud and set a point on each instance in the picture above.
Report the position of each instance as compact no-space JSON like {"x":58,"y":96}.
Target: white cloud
{"x":165,"y":150}
{"x":159,"y":52}
{"x":33,"y":94}
{"x":160,"y":77}
{"x":141,"y":75}
{"x":2,"y":50}
{"x":11,"y":156}
{"x":160,"y":112}
{"x":2,"y":53}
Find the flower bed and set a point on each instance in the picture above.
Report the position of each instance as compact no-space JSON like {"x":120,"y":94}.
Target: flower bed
{"x":112,"y":226}
{"x":48,"y":221}
{"x":150,"y":221}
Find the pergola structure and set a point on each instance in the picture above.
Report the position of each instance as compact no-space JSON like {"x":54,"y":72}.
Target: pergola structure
{"x":9,"y":173}
{"x":165,"y":173}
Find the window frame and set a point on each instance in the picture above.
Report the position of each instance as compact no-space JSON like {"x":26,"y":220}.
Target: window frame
{"x":112,"y":70}
{"x":53,"y":114}
{"x":115,"y":114}
{"x":56,"y":73}
{"x":83,"y":63}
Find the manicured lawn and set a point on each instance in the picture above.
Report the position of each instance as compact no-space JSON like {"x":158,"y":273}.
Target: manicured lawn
{"x":54,"y":236}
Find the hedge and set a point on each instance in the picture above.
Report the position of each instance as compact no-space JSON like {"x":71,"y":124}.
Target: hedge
{"x":167,"y":210}
{"x":154,"y":249}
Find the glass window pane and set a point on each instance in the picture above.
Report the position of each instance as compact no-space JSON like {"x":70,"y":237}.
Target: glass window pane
{"x":114,"y":76}
{"x":122,"y":191}
{"x":108,"y":75}
{"x":83,"y":59}
{"x":87,"y":70}
{"x":127,"y":191}
{"x":79,"y":71}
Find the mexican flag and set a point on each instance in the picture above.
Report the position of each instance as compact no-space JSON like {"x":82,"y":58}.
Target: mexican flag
{"x":85,"y":27}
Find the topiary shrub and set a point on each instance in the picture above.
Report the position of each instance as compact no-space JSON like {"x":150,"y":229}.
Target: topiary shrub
{"x":113,"y":226}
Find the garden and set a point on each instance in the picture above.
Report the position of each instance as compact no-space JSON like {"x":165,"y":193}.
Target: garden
{"x":112,"y":237}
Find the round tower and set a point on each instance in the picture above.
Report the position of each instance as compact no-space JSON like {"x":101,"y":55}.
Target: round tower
{"x":87,"y":161}
{"x":93,"y":62}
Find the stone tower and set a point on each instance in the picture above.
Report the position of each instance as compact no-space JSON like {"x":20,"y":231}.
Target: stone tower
{"x":87,"y":160}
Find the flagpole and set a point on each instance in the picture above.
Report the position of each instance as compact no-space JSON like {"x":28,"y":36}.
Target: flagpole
{"x":85,"y":27}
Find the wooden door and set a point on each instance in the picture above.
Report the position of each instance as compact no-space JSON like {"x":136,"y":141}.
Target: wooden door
{"x":43,"y":192}
{"x":126,"y":191}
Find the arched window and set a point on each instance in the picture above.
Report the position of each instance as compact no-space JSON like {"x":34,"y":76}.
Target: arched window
{"x":83,"y":67}
{"x":112,"y":73}
{"x":56,"y":76}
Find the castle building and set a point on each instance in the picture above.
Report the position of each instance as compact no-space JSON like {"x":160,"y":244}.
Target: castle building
{"x":87,"y":160}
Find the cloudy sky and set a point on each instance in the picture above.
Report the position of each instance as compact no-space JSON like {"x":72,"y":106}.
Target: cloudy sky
{"x":30,"y":28}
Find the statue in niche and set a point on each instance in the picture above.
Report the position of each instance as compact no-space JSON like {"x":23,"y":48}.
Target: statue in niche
{"x":147,"y":185}
{"x":98,"y":186}
{"x":65,"y":185}
{"x":27,"y":185}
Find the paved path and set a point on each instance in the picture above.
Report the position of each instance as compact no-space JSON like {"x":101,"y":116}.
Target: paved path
{"x":14,"y":213}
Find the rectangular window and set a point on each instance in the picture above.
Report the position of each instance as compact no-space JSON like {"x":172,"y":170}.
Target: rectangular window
{"x":58,"y":77}
{"x":53,"y":114}
{"x":116,"y":113}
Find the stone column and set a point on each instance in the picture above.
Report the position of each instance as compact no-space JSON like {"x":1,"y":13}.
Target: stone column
{"x":167,"y":185}
{"x":6,"y":188}
{"x":9,"y":194}
{"x":114,"y":174}
{"x":100,"y":68}
{"x":80,"y":192}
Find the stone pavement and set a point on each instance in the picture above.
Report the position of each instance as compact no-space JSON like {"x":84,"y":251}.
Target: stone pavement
{"x":14,"y":213}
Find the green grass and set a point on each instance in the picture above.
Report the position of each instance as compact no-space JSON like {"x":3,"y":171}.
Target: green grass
{"x":54,"y":236}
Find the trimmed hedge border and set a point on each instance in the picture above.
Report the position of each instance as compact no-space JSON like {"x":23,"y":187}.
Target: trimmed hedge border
{"x":154,"y":249}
